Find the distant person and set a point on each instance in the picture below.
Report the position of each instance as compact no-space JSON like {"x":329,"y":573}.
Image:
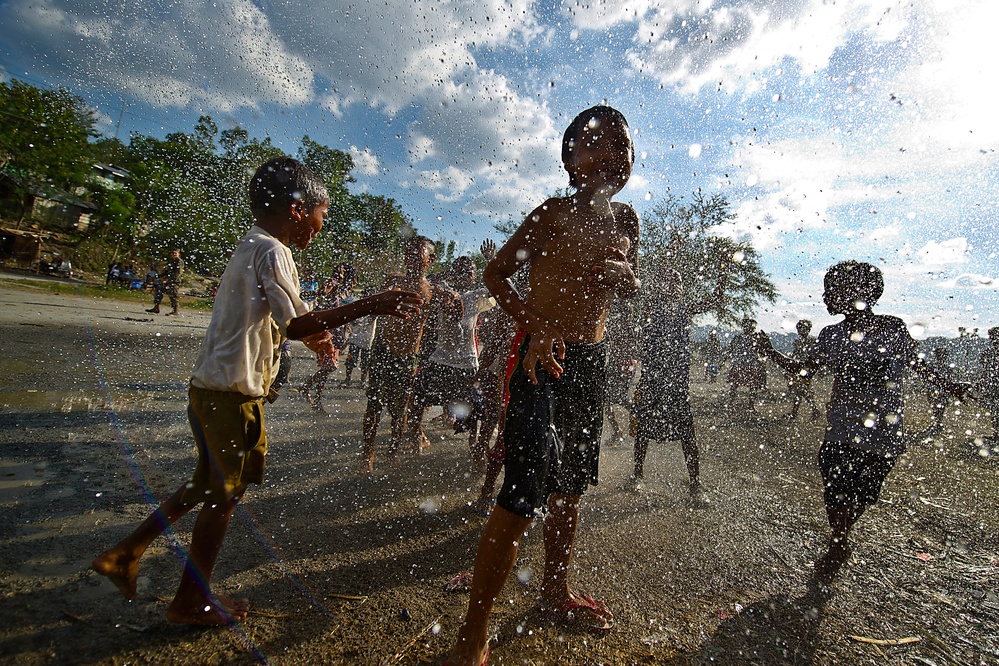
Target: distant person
{"x":936,"y":398}
{"x":799,"y":387}
{"x":169,"y":284}
{"x":582,"y":250}
{"x":988,"y":379}
{"x":151,"y":280}
{"x":747,"y":369}
{"x":336,"y":291}
{"x":362,"y":336}
{"x":447,"y":374}
{"x":868,"y":356}
{"x":662,"y":407}
{"x":622,"y":363}
{"x":712,"y":357}
{"x":394,"y":353}
{"x":258,"y":306}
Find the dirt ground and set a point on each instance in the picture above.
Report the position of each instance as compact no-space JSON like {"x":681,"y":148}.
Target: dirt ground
{"x":344,"y":569}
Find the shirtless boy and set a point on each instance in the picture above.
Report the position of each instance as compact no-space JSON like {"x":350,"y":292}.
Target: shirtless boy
{"x":257,"y":306}
{"x":394,"y":352}
{"x":582,"y":250}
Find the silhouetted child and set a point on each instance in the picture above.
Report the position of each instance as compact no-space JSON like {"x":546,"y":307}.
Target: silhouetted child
{"x":663,"y":402}
{"x":868,"y":356}
{"x":747,"y":369}
{"x":394,"y":353}
{"x":799,"y":387}
{"x":937,"y":399}
{"x":583,"y":252}
{"x":988,"y":379}
{"x":712,"y":357}
{"x":258,"y":305}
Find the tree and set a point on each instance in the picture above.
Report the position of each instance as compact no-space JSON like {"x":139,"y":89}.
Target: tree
{"x":683,"y":236}
{"x":44,"y":140}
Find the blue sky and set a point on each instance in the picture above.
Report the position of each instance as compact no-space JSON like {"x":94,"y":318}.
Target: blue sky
{"x":857,"y":129}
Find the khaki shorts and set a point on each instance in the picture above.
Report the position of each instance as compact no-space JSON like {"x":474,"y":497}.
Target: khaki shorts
{"x":229,"y":431}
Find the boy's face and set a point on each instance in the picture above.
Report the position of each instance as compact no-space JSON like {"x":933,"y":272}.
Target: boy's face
{"x":310,"y":223}
{"x":804,"y":330}
{"x":748,"y":326}
{"x":419,"y":256}
{"x":602,"y":155}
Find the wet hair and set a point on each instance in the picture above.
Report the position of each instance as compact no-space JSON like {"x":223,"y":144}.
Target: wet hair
{"x":994,"y":333}
{"x":857,"y":280}
{"x":280,"y":182}
{"x":593,"y":115}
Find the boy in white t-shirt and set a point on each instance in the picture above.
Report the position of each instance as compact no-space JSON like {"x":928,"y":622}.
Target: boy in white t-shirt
{"x":257,"y":307}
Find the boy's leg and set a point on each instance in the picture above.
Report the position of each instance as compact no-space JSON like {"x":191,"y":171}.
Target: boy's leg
{"x":691,"y":457}
{"x":841,"y":521}
{"x":372,"y":415}
{"x":194,"y":602}
{"x":493,"y":563}
{"x":641,"y":449}
{"x":121,"y":563}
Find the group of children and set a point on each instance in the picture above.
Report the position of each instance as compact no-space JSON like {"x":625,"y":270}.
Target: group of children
{"x":574,"y":256}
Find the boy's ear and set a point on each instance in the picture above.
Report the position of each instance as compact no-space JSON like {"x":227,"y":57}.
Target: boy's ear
{"x":297,"y":210}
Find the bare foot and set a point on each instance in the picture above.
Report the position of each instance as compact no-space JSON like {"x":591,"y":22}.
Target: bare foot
{"x":234,"y":605}
{"x":120,"y":569}
{"x":366,"y":467}
{"x":827,"y":566}
{"x":205,"y":612}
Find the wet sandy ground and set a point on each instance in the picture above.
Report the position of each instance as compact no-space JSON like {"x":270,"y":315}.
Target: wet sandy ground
{"x":348,"y":570}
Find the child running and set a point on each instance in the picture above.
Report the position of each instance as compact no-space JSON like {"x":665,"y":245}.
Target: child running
{"x":662,"y":407}
{"x":747,"y":367}
{"x":799,"y":387}
{"x":868,"y":356}
{"x":257,"y":306}
{"x":988,"y":380}
{"x":582,"y":251}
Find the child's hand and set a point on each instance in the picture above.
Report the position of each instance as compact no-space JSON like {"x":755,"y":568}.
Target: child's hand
{"x":396,"y":303}
{"x":321,"y":343}
{"x":488,"y":249}
{"x":541,"y":349}
{"x":613,"y":272}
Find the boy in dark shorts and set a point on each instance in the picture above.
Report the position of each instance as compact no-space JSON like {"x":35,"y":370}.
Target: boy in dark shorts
{"x":868,"y":356}
{"x":258,"y":305}
{"x":662,"y":406}
{"x":394,"y":353}
{"x":747,"y":369}
{"x":799,"y":387}
{"x":582,"y":250}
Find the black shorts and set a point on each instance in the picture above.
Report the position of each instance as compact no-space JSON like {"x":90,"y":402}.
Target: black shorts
{"x":851,"y":475}
{"x":442,"y":385}
{"x":552,"y":429}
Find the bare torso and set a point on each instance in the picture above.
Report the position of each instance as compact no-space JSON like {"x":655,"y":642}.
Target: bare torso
{"x":578,"y":239}
{"x":402,"y":336}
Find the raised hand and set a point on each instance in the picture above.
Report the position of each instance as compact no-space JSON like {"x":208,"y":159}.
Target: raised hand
{"x":488,"y":249}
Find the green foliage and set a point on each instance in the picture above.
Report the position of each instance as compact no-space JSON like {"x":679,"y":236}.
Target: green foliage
{"x":44,"y":139}
{"x":682,"y":235}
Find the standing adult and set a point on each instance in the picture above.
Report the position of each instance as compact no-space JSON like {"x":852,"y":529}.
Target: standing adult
{"x":169,"y":283}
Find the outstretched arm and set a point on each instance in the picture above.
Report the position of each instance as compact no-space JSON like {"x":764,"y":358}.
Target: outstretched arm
{"x":960,"y":390}
{"x":403,"y":304}
{"x":792,"y":367}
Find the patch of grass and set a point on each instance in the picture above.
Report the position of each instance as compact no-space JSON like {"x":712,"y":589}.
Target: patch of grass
{"x":100,"y":291}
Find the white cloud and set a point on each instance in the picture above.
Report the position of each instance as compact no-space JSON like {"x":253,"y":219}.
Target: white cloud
{"x":225,"y":56}
{"x":365,"y":161}
{"x":947,"y":253}
{"x":448,"y":184}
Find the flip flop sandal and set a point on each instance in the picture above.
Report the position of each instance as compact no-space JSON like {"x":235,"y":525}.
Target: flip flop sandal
{"x":583,"y":613}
